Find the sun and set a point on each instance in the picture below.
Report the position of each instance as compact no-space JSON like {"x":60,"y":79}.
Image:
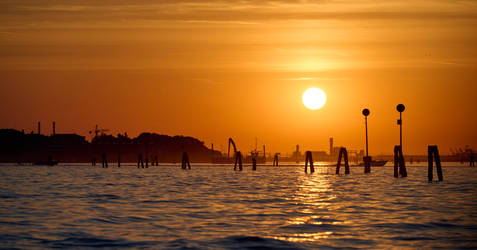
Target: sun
{"x":314,"y":98}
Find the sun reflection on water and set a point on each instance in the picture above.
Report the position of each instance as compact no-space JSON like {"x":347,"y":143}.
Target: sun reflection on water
{"x":314,"y":197}
{"x":305,"y":237}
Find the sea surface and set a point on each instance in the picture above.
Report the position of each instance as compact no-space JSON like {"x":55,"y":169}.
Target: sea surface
{"x":215,"y":207}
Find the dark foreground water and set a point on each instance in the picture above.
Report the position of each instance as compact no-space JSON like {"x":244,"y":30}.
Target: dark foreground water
{"x":214,"y":207}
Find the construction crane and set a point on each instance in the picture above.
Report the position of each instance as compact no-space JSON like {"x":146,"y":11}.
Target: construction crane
{"x":97,"y":130}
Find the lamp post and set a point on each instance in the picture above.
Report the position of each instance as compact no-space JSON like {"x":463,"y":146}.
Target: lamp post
{"x":400,"y":108}
{"x":366,"y":159}
{"x":366,"y":113}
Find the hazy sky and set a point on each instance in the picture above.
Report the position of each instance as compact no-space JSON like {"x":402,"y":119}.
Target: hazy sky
{"x":219,"y":69}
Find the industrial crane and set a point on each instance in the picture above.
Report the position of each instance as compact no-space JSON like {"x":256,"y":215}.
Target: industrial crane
{"x":97,"y":130}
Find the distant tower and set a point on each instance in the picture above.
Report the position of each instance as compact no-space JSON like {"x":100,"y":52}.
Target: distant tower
{"x":331,"y":146}
{"x":39,"y":127}
{"x":297,"y":153}
{"x":54,"y":128}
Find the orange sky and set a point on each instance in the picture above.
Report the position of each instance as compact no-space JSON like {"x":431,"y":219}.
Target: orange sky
{"x":218,"y":69}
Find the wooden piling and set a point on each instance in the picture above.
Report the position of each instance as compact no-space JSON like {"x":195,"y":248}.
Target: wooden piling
{"x":93,"y":161}
{"x":185,"y":161}
{"x":238,"y":160}
{"x":343,"y":154}
{"x":367,"y":164}
{"x":254,"y":163}
{"x":399,"y":163}
{"x":140,"y":162}
{"x":275,"y":160}
{"x":309,"y":159}
{"x":119,"y":160}
{"x":434,"y":151}
{"x":104,"y":161}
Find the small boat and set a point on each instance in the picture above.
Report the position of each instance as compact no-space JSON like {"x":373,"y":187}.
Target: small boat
{"x":375,"y":163}
{"x":45,"y":163}
{"x":49,"y":162}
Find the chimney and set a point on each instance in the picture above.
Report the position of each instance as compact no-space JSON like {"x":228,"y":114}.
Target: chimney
{"x":54,"y":128}
{"x":331,"y":146}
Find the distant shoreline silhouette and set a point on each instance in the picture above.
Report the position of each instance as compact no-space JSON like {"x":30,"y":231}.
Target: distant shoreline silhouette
{"x":19,"y":147}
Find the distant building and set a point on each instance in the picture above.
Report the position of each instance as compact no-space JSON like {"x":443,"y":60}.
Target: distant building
{"x":296,"y":155}
{"x":319,"y":155}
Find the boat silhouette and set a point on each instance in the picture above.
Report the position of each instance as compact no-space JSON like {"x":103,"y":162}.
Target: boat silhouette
{"x":49,"y":162}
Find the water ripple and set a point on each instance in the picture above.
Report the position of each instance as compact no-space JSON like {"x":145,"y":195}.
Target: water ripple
{"x":216,"y":207}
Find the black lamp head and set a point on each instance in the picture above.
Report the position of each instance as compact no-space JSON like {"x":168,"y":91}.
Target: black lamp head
{"x":400,"y":107}
{"x":365,"y":112}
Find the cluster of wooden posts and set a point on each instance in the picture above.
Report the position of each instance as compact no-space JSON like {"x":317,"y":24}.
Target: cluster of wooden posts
{"x":140,"y":162}
{"x":399,"y":162}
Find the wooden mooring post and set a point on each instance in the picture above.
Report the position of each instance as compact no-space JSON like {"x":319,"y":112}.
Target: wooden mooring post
{"x":105,"y":162}
{"x":275,"y":160}
{"x":140,"y":162}
{"x":367,"y":164}
{"x":309,"y":159}
{"x":343,"y":154}
{"x":434,"y":151}
{"x":399,"y":163}
{"x":238,"y":161}
{"x":185,"y":161}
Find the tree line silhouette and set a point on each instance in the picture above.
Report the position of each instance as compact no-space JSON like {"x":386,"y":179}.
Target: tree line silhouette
{"x":17,"y":146}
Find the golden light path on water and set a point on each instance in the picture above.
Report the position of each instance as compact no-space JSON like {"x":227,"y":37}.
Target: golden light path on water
{"x":309,"y":194}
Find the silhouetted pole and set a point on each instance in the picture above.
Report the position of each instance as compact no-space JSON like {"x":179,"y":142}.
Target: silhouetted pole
{"x":54,"y":128}
{"x":471,"y":159}
{"x":275,"y":160}
{"x":366,"y":159}
{"x":147,"y":156}
{"x":119,"y":154}
{"x":185,"y":161}
{"x":433,"y":150}
{"x":105,"y":162}
{"x":39,"y":128}
{"x":238,"y":160}
{"x":93,"y":161}
{"x":343,"y":154}
{"x":400,"y":108}
{"x":254,"y":163}
{"x":399,"y":163}
{"x":309,"y":159}
{"x":140,"y":162}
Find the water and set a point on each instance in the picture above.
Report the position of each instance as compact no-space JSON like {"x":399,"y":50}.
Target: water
{"x":214,"y":207}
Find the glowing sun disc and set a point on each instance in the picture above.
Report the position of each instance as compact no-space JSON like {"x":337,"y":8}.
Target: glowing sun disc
{"x":314,"y":98}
